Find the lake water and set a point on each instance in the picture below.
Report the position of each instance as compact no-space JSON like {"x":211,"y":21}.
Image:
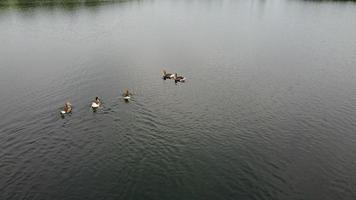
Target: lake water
{"x":268,"y":110}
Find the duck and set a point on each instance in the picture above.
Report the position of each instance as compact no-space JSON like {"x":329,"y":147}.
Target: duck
{"x":166,"y":75}
{"x":178,"y":78}
{"x":96,"y":103}
{"x":126,"y":95}
{"x":67,"y":108}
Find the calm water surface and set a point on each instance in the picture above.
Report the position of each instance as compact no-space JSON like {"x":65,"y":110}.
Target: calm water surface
{"x":268,"y":111}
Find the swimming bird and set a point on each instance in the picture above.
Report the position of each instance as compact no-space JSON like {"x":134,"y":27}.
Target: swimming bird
{"x":178,"y":78}
{"x":166,"y":75}
{"x":96,"y":103}
{"x":67,"y":108}
{"x":126,"y":95}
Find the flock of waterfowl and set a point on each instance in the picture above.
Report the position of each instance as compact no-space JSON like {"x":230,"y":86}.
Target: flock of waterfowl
{"x":126,"y":95}
{"x":174,"y":76}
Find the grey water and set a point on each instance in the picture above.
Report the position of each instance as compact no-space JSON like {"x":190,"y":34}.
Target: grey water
{"x":268,"y":110}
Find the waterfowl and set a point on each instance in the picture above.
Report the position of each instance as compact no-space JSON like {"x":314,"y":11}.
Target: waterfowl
{"x":178,"y":78}
{"x":126,"y":95}
{"x":96,"y":103}
{"x":67,"y":108}
{"x":166,"y":75}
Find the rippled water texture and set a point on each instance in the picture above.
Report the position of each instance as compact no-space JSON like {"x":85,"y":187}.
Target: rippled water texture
{"x":267,"y":112}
